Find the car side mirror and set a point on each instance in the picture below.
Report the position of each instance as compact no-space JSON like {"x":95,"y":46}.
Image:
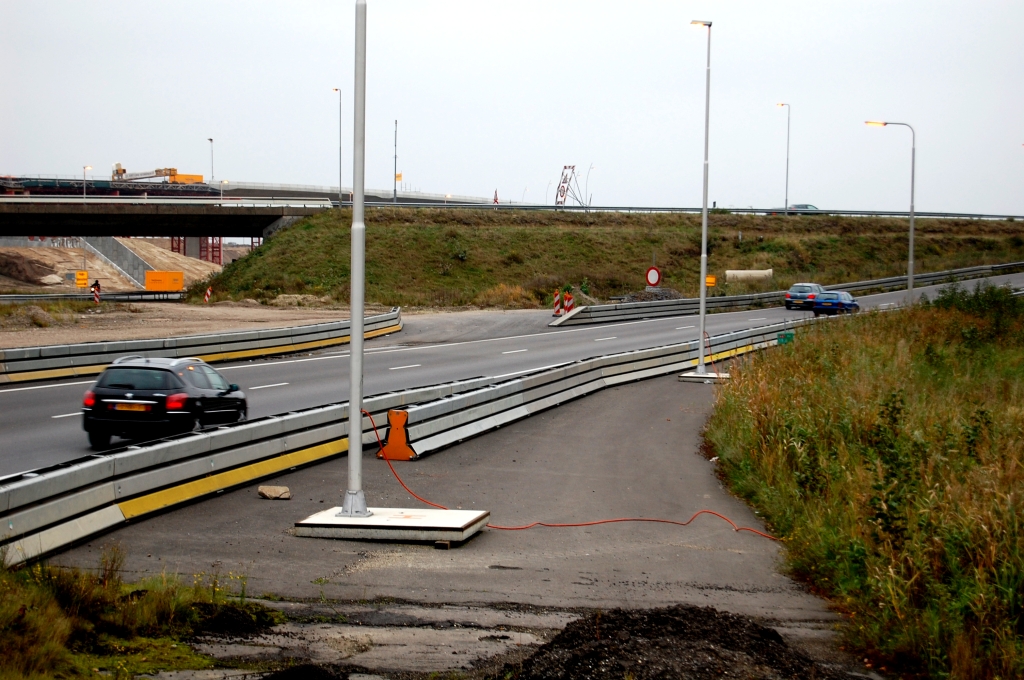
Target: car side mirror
{"x":233,"y":387}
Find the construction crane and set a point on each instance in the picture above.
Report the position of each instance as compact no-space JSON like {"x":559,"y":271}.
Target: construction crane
{"x":121,"y":175}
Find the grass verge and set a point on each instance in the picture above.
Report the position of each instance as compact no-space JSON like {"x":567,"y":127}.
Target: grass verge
{"x":69,"y":623}
{"x":430,"y":257}
{"x":888,"y":451}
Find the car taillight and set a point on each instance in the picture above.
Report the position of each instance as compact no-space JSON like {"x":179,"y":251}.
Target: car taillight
{"x":787,"y":296}
{"x":176,"y":402}
{"x":89,"y":400}
{"x":810,"y":296}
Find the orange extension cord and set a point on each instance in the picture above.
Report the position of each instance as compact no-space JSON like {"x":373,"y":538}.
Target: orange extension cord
{"x":576,"y":524}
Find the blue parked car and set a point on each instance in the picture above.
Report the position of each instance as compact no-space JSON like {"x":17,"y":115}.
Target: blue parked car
{"x":835,"y":302}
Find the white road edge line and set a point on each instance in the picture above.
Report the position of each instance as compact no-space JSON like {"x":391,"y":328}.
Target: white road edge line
{"x":515,"y":351}
{"x":43,"y":387}
{"x":261,"y":387}
{"x":603,"y":339}
{"x":399,"y":368}
{"x":68,"y":415}
{"x":683,"y":328}
{"x":760,"y":318}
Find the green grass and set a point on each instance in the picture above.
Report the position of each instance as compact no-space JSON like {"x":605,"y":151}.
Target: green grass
{"x":67,"y":623}
{"x":888,"y":452}
{"x":446,"y":258}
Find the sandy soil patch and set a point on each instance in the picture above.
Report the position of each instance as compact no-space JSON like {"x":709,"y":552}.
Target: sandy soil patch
{"x":162,"y":258}
{"x":137,"y":321}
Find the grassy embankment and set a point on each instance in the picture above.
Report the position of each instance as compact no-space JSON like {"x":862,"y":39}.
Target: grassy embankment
{"x":486,"y":257}
{"x":888,"y":451}
{"x":68,"y":623}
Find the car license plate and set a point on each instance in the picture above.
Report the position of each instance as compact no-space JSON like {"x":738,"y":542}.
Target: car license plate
{"x":131,"y":407}
{"x":826,"y":304}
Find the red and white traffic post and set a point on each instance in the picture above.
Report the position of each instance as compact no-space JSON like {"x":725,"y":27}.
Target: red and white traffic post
{"x":209,"y":291}
{"x":558,"y":303}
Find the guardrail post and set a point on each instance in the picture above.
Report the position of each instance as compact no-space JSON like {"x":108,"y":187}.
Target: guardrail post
{"x":354,"y":504}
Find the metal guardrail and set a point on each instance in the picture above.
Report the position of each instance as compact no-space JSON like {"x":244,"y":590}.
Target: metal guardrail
{"x":588,"y":314}
{"x":57,"y":361}
{"x":227,"y":201}
{"x":440,"y":201}
{"x":655,"y":209}
{"x":128,"y":296}
{"x":46,"y":509}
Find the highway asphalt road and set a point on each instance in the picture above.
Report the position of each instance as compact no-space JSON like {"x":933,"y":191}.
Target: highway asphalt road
{"x":41,"y":423}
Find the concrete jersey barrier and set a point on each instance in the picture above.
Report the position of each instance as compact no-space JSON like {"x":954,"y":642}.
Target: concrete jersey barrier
{"x":49,"y":508}
{"x":59,"y":361}
{"x":647,"y":310}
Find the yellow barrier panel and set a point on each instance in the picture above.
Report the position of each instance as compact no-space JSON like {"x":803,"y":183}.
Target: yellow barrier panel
{"x":165,"y":281}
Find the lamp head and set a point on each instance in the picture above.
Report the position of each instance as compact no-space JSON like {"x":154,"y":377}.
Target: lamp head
{"x":698,"y":22}
{"x":782,"y":104}
{"x":335,"y":89}
{"x":224,"y":181}
{"x":210,"y":139}
{"x":875,"y":123}
{"x":86,"y":167}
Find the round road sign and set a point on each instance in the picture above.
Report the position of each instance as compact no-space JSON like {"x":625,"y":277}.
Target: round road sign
{"x":653,"y":277}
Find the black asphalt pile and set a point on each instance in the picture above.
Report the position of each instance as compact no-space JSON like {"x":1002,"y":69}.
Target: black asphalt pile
{"x":307,"y":671}
{"x":690,"y":643}
{"x":230,"y":620}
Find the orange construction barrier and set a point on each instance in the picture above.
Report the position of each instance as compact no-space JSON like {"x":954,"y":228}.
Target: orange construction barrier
{"x":396,"y":444}
{"x":569,"y":303}
{"x":558,"y":303}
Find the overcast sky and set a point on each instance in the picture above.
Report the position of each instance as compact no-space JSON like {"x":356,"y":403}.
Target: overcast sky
{"x":501,"y":95}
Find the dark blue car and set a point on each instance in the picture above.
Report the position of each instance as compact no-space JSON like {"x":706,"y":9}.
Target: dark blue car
{"x":835,"y":302}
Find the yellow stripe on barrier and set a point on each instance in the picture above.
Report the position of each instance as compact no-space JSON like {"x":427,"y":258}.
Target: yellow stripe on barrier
{"x":200,"y":487}
{"x":76,"y":371}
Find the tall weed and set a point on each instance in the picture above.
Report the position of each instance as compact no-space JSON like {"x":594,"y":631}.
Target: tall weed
{"x":888,"y":451}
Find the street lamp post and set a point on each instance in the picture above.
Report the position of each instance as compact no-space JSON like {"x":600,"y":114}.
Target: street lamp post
{"x":913,"y":163}
{"x":341,"y":136}
{"x":222,"y":183}
{"x":785,"y":205}
{"x":84,"y":168}
{"x":546,"y":190}
{"x":394,"y":199}
{"x":210,"y":139}
{"x":701,"y":370}
{"x":354,"y":504}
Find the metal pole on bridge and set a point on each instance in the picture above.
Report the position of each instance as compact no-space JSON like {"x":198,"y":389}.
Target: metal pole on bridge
{"x":354,"y":504}
{"x":341,"y":148}
{"x":701,"y":370}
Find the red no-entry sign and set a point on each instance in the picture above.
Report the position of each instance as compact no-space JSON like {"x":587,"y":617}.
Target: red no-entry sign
{"x":653,"y":277}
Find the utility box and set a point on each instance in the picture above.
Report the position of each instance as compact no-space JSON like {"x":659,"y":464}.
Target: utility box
{"x":165,"y":281}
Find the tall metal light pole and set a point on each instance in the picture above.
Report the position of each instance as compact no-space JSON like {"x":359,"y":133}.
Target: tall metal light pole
{"x":785,"y":205}
{"x":395,"y":197}
{"x":84,"y":168}
{"x":210,"y":139}
{"x":341,"y":148}
{"x":913,"y":163}
{"x":222,"y":183}
{"x":704,"y":211}
{"x":354,"y":504}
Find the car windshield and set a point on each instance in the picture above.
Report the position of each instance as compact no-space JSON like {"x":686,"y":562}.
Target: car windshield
{"x":800,"y":289}
{"x":137,"y":379}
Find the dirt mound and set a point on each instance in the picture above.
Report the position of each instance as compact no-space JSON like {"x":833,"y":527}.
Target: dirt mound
{"x":229,"y":620}
{"x":307,"y":671}
{"x":51,"y":267}
{"x":693,"y":643}
{"x":653,"y":295}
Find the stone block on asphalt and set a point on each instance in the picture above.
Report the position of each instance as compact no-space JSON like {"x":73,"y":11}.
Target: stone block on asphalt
{"x":275,"y":493}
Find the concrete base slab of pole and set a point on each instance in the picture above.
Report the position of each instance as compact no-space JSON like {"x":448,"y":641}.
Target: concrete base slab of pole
{"x":709,"y":378}
{"x":396,"y":524}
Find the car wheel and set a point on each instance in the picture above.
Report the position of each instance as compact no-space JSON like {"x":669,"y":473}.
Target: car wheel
{"x":816,"y":314}
{"x":99,"y":440}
